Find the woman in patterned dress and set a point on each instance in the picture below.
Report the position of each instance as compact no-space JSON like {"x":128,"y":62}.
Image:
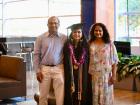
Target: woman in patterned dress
{"x":103,"y":64}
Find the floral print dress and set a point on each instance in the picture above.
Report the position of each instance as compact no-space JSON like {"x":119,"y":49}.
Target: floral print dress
{"x":101,"y":60}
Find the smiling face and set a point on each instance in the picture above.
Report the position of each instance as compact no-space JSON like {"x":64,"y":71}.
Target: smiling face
{"x":77,"y":34}
{"x":53,"y":24}
{"x":98,"y":32}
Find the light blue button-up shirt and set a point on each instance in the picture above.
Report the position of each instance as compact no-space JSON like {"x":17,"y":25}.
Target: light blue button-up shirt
{"x":48,"y":50}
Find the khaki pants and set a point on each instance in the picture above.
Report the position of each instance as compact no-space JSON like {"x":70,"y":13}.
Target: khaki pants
{"x":56,"y":75}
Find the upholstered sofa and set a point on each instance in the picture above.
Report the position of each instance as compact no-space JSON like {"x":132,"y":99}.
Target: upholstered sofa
{"x":12,"y":77}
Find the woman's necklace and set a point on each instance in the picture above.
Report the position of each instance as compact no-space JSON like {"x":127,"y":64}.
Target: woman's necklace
{"x":76,"y":63}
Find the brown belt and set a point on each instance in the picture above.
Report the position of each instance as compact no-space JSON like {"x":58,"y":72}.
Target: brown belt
{"x":50,"y":65}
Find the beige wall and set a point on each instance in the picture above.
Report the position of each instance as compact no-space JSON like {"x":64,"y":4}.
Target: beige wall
{"x":105,"y":14}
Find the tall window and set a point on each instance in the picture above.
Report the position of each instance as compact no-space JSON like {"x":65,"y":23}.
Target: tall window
{"x":0,"y":17}
{"x":29,"y":17}
{"x":128,"y":21}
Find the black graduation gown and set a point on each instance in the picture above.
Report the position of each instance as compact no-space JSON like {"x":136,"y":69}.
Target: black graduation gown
{"x":69,"y":98}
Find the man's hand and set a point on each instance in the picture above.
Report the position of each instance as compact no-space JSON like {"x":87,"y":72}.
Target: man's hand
{"x":39,"y":76}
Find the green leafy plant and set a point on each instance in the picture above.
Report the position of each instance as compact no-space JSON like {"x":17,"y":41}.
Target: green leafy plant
{"x":128,"y":66}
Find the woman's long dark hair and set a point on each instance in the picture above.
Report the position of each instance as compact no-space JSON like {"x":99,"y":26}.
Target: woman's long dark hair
{"x":106,"y":36}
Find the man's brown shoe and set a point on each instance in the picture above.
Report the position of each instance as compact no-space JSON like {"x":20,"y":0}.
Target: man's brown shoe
{"x":36,"y":98}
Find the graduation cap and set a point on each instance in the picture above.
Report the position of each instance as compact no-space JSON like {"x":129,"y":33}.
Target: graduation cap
{"x":74,"y":27}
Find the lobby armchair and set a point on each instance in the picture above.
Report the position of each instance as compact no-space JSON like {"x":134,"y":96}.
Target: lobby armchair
{"x":12,"y":77}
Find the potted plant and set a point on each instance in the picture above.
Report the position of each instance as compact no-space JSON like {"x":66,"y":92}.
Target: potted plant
{"x":129,"y":66}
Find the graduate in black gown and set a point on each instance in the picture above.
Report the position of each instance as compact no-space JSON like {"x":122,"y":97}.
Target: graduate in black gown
{"x":76,"y":63}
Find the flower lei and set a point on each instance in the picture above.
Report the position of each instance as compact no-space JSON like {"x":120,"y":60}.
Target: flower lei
{"x":82,"y":58}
